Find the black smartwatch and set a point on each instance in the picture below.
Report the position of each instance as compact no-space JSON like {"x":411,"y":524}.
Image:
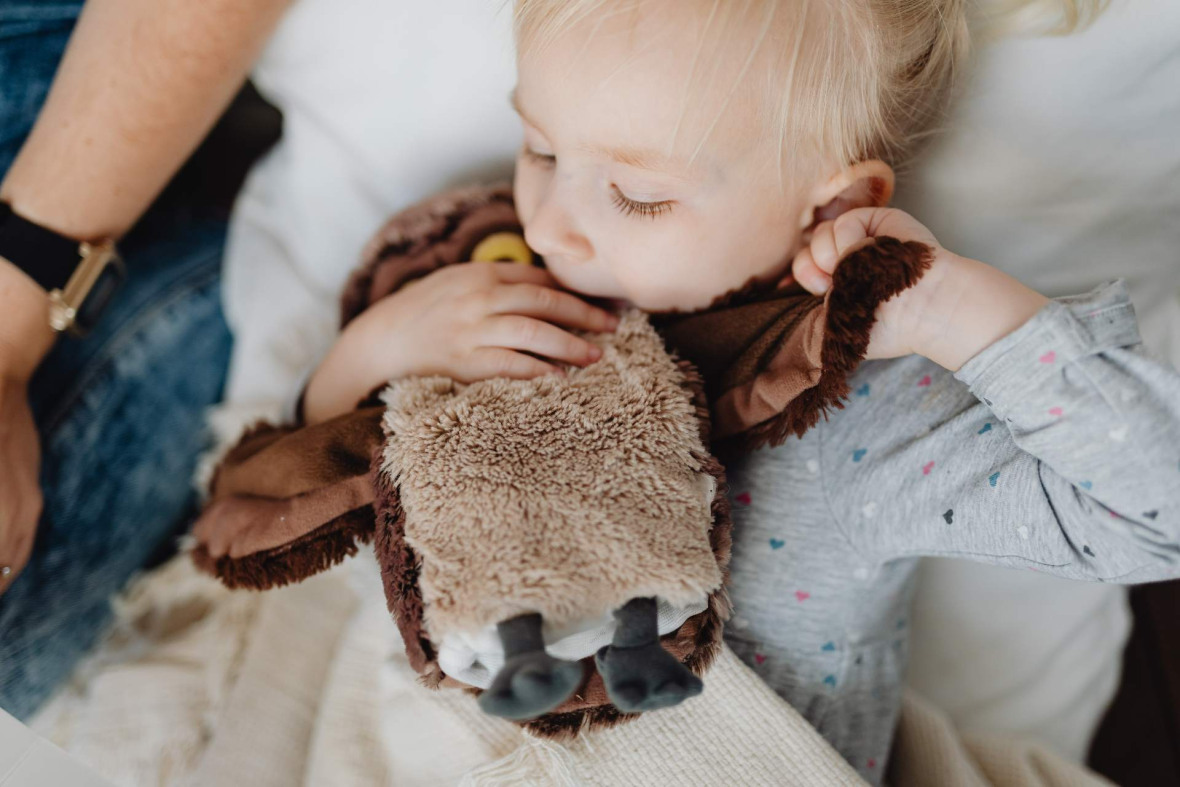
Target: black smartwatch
{"x":80,"y":277}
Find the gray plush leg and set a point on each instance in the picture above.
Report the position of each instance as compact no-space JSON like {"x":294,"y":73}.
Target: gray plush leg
{"x":531,"y":682}
{"x":639,"y":674}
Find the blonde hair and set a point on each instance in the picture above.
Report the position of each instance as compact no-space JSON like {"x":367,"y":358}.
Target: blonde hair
{"x":850,"y":79}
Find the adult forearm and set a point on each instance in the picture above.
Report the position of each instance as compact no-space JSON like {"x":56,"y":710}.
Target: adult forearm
{"x":141,"y":83}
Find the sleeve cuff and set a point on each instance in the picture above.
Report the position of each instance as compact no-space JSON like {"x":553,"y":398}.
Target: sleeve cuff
{"x":1066,"y":329}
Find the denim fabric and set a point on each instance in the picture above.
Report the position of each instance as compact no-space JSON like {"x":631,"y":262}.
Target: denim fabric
{"x":120,"y":413}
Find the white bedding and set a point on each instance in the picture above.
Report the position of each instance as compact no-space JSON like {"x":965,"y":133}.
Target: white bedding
{"x":1061,"y":166}
{"x":309,"y":685}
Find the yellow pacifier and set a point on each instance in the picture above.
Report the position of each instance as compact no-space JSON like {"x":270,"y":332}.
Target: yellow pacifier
{"x":503,"y":247}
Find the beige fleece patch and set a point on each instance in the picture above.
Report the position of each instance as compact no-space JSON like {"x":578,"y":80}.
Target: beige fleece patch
{"x":563,"y":496}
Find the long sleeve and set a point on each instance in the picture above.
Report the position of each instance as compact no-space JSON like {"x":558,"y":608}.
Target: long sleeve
{"x":1056,"y":448}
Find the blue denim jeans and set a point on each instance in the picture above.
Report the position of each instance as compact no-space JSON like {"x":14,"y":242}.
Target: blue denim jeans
{"x":120,"y":413}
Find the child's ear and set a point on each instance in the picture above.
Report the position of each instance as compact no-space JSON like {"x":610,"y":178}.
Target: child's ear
{"x":866,"y":184}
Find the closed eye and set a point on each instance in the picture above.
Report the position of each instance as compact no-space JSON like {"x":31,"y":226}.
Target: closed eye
{"x":631,"y":207}
{"x":540,"y":159}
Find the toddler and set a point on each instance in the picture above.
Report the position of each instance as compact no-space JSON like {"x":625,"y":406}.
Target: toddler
{"x":675,"y":150}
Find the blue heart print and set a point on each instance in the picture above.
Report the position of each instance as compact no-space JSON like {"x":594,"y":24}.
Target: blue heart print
{"x":829,"y":646}
{"x":830,"y":680}
{"x":863,"y":390}
{"x":1087,"y":485}
{"x":986,"y":428}
{"x":859,"y":454}
{"x":993,"y":478}
{"x":777,"y":543}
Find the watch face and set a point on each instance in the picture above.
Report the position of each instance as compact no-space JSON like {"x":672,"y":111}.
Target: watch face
{"x":99,"y":297}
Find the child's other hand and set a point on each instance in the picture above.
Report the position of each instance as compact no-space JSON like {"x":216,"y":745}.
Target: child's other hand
{"x":470,"y":322}
{"x":959,"y":307}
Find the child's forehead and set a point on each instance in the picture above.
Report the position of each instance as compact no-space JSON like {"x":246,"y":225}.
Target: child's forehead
{"x":656,"y":87}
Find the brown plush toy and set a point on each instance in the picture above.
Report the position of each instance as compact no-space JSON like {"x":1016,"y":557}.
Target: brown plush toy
{"x":559,"y":544}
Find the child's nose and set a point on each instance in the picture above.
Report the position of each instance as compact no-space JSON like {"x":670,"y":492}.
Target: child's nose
{"x":552,"y":233}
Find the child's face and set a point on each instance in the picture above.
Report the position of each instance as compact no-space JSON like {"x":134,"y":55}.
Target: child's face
{"x":629,"y":194}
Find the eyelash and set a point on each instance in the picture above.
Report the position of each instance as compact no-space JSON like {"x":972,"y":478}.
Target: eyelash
{"x":540,"y":158}
{"x":630,"y":207}
{"x":623,"y":203}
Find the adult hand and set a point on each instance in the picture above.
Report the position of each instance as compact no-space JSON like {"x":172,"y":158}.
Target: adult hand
{"x":25,"y":338}
{"x":20,"y":493}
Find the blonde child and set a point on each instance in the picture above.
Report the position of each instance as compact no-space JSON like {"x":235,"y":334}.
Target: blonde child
{"x":676,"y":149}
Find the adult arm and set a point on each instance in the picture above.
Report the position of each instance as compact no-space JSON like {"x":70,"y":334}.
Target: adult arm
{"x":139,"y":86}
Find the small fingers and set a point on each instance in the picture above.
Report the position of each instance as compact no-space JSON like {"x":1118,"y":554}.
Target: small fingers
{"x":528,"y":334}
{"x":554,"y":306}
{"x":515,"y":273}
{"x":808,"y":274}
{"x":824,"y":251}
{"x":488,"y":362}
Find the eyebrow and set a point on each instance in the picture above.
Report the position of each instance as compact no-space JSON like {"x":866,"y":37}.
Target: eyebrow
{"x":640,"y":158}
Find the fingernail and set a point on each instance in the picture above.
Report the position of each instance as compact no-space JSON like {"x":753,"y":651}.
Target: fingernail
{"x":595,"y":352}
{"x":820,"y":286}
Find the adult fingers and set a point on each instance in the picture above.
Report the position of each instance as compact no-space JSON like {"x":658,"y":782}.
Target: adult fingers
{"x":17,"y":533}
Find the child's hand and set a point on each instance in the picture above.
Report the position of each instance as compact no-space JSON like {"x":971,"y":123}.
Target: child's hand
{"x":959,"y":307}
{"x":469,"y":322}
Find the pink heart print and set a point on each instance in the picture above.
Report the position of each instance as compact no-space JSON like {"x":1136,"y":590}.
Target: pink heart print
{"x":926,"y":468}
{"x":924,"y":382}
{"x":802,"y":595}
{"x":1056,"y":411}
{"x":743,"y":498}
{"x":758,"y":657}
{"x":1049,"y":357}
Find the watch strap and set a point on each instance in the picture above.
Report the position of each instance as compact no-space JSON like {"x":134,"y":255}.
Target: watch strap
{"x":48,"y":258}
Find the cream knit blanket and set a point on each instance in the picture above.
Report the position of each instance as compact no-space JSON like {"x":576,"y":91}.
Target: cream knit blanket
{"x":309,"y":685}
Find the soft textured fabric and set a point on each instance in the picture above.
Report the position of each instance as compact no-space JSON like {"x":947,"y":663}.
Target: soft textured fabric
{"x":309,"y":685}
{"x":561,"y":496}
{"x":1056,"y":449}
{"x":475,"y":658}
{"x":290,"y":501}
{"x":566,"y":496}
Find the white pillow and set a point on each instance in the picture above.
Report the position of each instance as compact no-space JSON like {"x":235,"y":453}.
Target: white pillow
{"x":1060,"y":166}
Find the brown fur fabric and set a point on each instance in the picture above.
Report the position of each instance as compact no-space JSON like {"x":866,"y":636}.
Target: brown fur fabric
{"x":563,"y":496}
{"x":423,"y":238}
{"x":696,"y":643}
{"x":865,"y":279}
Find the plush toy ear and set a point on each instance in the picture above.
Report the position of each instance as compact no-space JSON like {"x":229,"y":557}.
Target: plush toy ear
{"x":290,"y":502}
